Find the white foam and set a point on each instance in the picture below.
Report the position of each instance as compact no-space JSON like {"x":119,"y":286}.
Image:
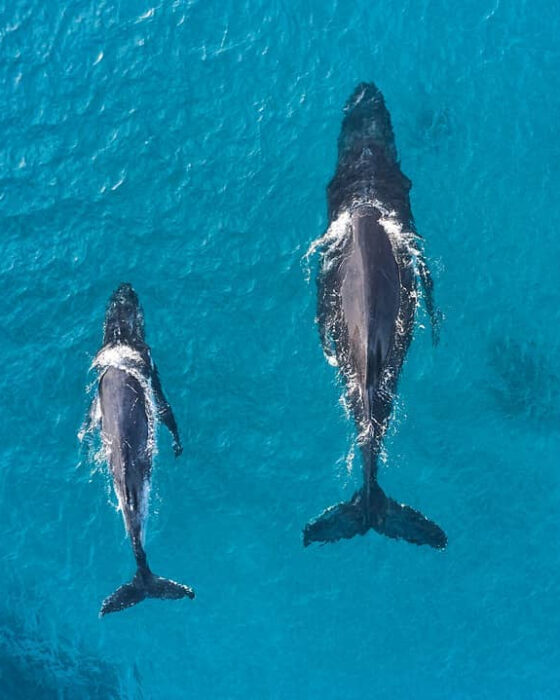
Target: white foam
{"x":129,"y":360}
{"x":349,"y":461}
{"x":116,"y":356}
{"x":147,"y":15}
{"x":331,"y":240}
{"x":403,"y":240}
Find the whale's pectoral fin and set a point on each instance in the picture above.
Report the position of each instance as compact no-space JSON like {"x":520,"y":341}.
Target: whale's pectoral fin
{"x":144,"y":585}
{"x":384,"y":515}
{"x":92,"y":419}
{"x":436,"y":316}
{"x":328,"y":302}
{"x":165,"y":411}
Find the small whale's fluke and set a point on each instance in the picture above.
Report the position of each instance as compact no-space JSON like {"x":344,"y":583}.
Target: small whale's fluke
{"x":145,"y":584}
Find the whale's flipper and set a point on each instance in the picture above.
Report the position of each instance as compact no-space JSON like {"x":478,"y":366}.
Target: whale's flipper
{"x":144,"y":585}
{"x":384,"y":515}
{"x":427,"y":283}
{"x":165,"y":412}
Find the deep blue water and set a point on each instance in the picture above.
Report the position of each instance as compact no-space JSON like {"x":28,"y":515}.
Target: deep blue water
{"x":185,"y":147}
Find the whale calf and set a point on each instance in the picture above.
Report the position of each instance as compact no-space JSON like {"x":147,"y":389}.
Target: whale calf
{"x":128,"y":404}
{"x":371,"y":270}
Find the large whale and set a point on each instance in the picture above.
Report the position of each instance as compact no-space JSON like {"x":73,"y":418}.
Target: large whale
{"x":371,"y":266}
{"x":128,"y":404}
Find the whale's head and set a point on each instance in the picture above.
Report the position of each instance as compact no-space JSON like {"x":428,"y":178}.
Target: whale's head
{"x":366,"y":123}
{"x":124,"y":320}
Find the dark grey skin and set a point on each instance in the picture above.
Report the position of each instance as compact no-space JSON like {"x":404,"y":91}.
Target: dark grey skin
{"x":371,"y":264}
{"x":127,"y":375}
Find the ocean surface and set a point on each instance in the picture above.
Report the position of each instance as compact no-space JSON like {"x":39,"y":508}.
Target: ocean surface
{"x":185,"y":147}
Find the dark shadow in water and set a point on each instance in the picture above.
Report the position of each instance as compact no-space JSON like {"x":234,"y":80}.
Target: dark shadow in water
{"x":434,"y":122}
{"x":31,"y":667}
{"x":433,"y":127}
{"x":523,"y":383}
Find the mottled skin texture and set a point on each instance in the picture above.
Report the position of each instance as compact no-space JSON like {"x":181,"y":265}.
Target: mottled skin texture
{"x":367,"y":291}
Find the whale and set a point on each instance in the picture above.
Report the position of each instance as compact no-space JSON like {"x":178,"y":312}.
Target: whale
{"x":371,"y":277}
{"x":128,"y":404}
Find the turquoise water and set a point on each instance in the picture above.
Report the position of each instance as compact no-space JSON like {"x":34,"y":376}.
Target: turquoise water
{"x":185,"y":147}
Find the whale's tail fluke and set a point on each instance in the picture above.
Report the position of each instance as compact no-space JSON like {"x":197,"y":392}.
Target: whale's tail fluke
{"x":144,"y":585}
{"x":377,"y":512}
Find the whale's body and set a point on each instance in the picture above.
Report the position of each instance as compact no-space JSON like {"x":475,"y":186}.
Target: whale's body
{"x":129,"y":402}
{"x":126,"y":434}
{"x":367,"y":298}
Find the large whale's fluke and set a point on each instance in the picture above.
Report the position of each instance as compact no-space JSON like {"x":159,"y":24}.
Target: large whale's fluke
{"x":144,"y":585}
{"x":382,"y":514}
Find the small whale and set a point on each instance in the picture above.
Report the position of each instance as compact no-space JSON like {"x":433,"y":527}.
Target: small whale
{"x":371,"y":262}
{"x":128,"y":403}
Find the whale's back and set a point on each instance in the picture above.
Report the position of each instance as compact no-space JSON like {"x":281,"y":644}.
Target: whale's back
{"x":125,"y":430}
